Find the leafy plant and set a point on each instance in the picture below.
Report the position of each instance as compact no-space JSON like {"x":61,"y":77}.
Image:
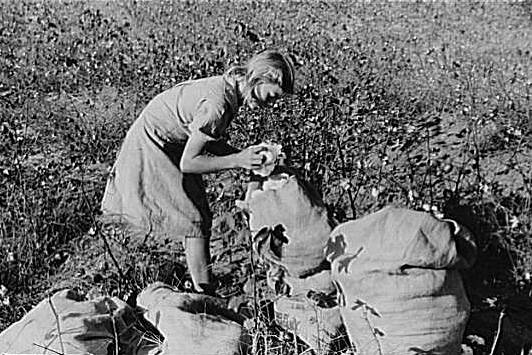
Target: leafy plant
{"x":425,"y":105}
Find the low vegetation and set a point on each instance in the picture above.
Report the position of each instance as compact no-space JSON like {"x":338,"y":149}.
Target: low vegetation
{"x":425,"y":105}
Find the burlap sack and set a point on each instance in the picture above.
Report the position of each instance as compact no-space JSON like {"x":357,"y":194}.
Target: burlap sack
{"x":64,"y":325}
{"x":397,"y":272}
{"x":311,"y":312}
{"x":193,"y":323}
{"x":321,"y":328}
{"x":293,"y":218}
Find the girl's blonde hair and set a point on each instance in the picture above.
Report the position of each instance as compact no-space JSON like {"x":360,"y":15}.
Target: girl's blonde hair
{"x":269,"y":66}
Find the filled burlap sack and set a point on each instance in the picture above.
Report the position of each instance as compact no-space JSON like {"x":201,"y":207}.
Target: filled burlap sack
{"x":397,"y":272}
{"x":290,"y":223}
{"x":311,"y":312}
{"x":321,"y":328}
{"x":193,"y":323}
{"x":63,"y":324}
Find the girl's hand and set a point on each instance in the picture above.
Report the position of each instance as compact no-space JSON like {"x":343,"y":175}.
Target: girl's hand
{"x":249,"y":158}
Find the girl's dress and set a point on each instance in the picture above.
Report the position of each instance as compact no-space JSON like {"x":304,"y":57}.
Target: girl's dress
{"x":146,"y":190}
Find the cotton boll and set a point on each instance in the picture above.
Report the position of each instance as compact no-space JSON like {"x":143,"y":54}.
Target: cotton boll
{"x":270,"y":154}
{"x":267,"y":157}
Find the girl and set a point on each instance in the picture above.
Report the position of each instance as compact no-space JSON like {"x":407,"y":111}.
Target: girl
{"x":155,"y":186}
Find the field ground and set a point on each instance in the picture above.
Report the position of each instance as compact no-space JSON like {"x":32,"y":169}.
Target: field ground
{"x":421,"y":104}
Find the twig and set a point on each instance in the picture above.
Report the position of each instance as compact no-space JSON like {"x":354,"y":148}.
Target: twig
{"x":57,"y":324}
{"x":102,"y":235}
{"x":429,"y":164}
{"x":318,"y":340}
{"x":296,"y":347}
{"x":365,"y":312}
{"x":462,"y":167}
{"x":255,"y":343}
{"x":253,"y":271}
{"x":48,"y":349}
{"x":477,"y":158}
{"x":115,"y":333}
{"x":344,"y":169}
{"x":499,"y":328}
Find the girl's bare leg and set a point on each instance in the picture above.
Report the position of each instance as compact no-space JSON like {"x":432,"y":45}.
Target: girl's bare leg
{"x":198,"y":256}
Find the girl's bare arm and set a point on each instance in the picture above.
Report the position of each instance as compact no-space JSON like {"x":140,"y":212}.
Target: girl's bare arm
{"x":220,"y":148}
{"x":196,"y":162}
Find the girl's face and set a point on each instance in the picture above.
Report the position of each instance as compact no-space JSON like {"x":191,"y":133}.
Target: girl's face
{"x":264,"y":93}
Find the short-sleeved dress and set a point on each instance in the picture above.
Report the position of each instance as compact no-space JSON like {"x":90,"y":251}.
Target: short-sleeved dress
{"x":146,"y":190}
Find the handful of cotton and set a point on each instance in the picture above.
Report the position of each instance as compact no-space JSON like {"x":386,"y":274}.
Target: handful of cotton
{"x":271,"y":155}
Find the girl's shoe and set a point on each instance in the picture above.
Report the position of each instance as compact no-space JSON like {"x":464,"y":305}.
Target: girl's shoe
{"x":203,"y":288}
{"x":207,"y":289}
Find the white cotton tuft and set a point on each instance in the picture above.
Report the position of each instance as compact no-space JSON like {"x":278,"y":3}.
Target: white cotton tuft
{"x":270,"y":158}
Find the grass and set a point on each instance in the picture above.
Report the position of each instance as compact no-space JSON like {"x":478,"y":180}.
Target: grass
{"x":425,"y":105}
